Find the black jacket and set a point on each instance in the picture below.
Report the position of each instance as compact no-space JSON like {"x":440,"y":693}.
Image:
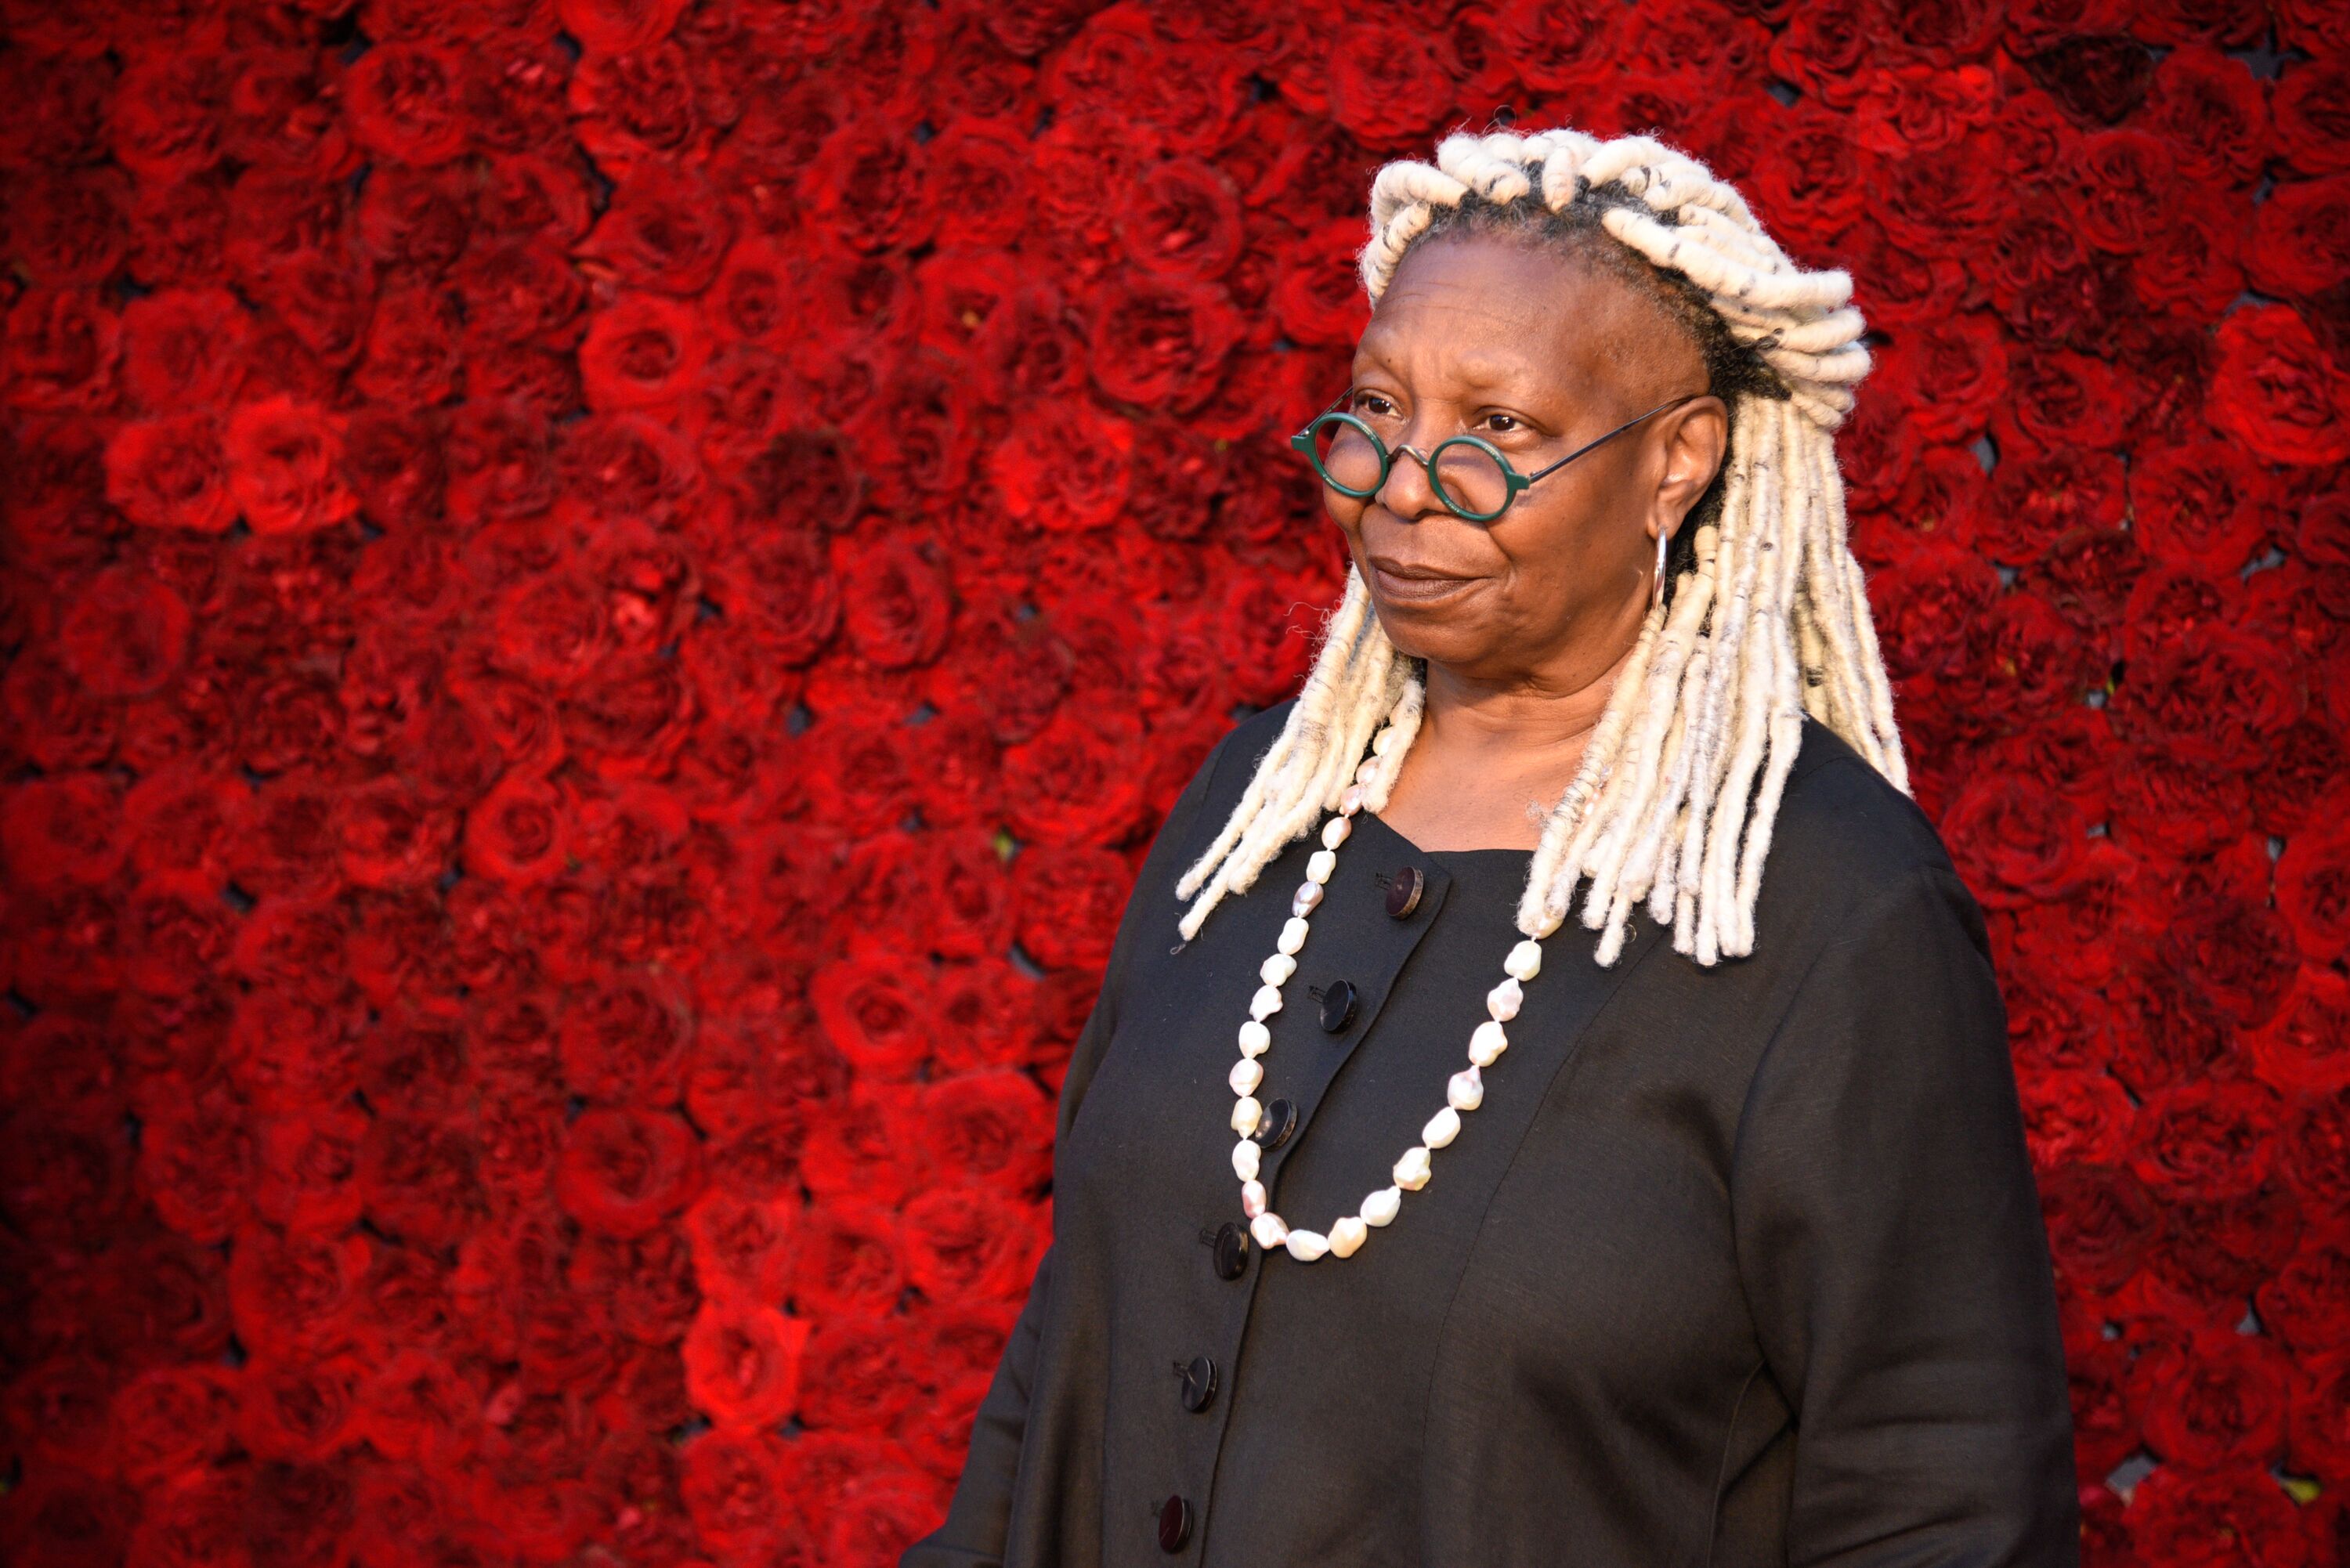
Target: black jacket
{"x":1734,"y":1266}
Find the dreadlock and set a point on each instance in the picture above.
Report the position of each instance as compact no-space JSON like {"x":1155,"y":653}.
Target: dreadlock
{"x":1766,"y":616}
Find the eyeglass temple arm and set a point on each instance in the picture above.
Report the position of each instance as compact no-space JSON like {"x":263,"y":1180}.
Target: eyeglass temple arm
{"x":1611,"y":435}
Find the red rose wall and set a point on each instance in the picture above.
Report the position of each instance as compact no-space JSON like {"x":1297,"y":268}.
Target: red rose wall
{"x":602,"y":595}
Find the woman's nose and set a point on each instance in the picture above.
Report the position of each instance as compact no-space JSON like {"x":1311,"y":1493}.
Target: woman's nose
{"x":1407,"y":493}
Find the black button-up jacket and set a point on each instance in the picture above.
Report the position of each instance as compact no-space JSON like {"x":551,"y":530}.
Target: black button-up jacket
{"x":1734,"y":1266}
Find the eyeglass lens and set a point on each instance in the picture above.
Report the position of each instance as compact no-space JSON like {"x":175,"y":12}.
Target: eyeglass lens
{"x":1467,"y":479}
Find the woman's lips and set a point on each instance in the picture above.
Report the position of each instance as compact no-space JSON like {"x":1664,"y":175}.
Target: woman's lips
{"x":1415,"y":585}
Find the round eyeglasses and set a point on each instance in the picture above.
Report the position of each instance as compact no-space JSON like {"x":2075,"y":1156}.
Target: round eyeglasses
{"x":1469,"y":474}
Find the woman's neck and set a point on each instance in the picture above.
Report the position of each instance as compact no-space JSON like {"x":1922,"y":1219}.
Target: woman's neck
{"x":1493,"y":757}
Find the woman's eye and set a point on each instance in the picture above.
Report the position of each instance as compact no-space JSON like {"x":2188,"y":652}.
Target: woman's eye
{"x":1372,"y":404}
{"x":1510,"y":427}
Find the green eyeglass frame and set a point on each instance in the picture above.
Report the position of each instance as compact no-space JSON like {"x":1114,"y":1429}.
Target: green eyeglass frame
{"x":1513,"y":480}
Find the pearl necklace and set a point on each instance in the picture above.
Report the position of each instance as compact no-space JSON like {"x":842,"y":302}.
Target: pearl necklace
{"x":1465,"y":1091}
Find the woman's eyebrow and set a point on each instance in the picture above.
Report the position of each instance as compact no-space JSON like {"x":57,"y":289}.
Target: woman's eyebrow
{"x":1487,"y":375}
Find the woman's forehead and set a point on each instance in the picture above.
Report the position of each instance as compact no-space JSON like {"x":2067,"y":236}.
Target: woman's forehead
{"x":1485,"y":311}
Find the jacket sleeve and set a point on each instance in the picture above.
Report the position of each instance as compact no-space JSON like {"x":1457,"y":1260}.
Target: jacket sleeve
{"x":979,"y":1514}
{"x":1890,"y":1238}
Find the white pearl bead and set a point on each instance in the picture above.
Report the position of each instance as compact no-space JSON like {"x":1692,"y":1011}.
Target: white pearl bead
{"x":1277,"y":968}
{"x":1347,"y":1234}
{"x":1549,"y":923}
{"x":1352,"y":801}
{"x":1253,"y":1199}
{"x":1524,"y":961}
{"x":1265,"y":1003}
{"x":1320,"y":867}
{"x":1255,"y":1038}
{"x":1335,"y":831}
{"x":1248,"y":1111}
{"x":1305,"y":1245}
{"x":1411,"y":1170}
{"x":1487,"y":1044}
{"x":1381,"y":1206}
{"x":1301,"y":902}
{"x":1268,"y":1230}
{"x":1368,"y":772}
{"x":1293,"y":935}
{"x":1245,"y":1155}
{"x":1246,"y":1074}
{"x":1465,"y":1090}
{"x":1504,"y":999}
{"x":1442,"y":1128}
{"x":1386,"y":740}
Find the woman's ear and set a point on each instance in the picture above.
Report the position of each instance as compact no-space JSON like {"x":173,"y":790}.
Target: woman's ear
{"x":1696,"y":438}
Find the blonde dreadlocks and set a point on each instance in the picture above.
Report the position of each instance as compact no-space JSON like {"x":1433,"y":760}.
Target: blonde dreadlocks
{"x":1767,"y":618}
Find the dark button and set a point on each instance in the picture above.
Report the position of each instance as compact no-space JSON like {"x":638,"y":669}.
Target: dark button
{"x":1279,"y":1121}
{"x":1199,"y":1376}
{"x":1174,"y":1525}
{"x":1231,"y":1250}
{"x":1338,"y":1006}
{"x":1404,"y":889}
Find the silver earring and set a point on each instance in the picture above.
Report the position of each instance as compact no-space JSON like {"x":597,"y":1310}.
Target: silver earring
{"x":1664,"y":539}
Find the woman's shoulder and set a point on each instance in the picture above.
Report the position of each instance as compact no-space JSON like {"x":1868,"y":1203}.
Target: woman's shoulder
{"x":1845,"y":835}
{"x":1223,"y":775}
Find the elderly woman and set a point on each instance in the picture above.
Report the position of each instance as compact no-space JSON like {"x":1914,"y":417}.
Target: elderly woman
{"x":1399,"y":1218}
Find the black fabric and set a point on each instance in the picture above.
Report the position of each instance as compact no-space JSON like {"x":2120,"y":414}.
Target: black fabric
{"x":1734,"y":1266}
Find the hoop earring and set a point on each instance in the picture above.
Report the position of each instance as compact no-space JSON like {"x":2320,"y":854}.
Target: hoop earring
{"x":1664,"y":540}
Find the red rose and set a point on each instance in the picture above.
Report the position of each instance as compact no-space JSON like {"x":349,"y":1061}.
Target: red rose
{"x":519,"y":832}
{"x":2206,"y":503}
{"x":970,"y":1243}
{"x":743,"y":1363}
{"x":2015,"y":841}
{"x":2100,"y":1222}
{"x":417,"y":1179}
{"x":874,"y":1012}
{"x":386,"y":840}
{"x":664,"y":230}
{"x":642,"y":351}
{"x":171,"y":473}
{"x":625,"y":1170}
{"x":2212,"y":696}
{"x":171,"y":1419}
{"x":869,"y":187}
{"x":855,"y":1378}
{"x":308,"y":1169}
{"x":2313,"y":890}
{"x":2276,"y":390}
{"x":61,"y":830}
{"x":732,"y":1483}
{"x":297,"y":1291}
{"x":992,"y":1126}
{"x":2233,"y":1516}
{"x":2216,"y":1401}
{"x":898,"y":602}
{"x":1071,"y":899}
{"x":1079,"y":782}
{"x":2306,"y":102}
{"x":197,"y":1169}
{"x":405,"y":100}
{"x":2206,"y":1138}
{"x":1161,"y":342}
{"x":2238,"y":951}
{"x":851,"y":1260}
{"x":62,"y":347}
{"x":284,"y":461}
{"x":299,"y":1410}
{"x":126,"y":634}
{"x":626,"y":1040}
{"x":618,"y":27}
{"x":742,"y":1247}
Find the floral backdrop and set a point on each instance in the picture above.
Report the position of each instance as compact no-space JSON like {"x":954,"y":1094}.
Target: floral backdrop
{"x":601,"y":598}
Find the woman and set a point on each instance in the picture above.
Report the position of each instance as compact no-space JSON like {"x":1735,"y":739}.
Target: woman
{"x":1721,"y":1245}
